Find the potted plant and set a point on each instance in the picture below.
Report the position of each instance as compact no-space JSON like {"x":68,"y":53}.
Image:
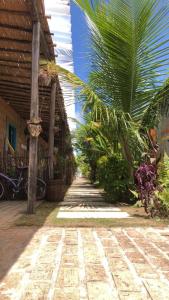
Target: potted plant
{"x":57,"y":187}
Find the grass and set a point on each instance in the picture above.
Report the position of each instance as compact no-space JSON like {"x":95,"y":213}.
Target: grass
{"x":46,"y":216}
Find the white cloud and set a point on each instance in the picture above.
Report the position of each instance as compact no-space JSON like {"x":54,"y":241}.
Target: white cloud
{"x":60,"y":25}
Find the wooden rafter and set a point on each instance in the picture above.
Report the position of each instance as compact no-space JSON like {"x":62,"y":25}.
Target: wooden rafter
{"x":15,"y":67}
{"x":16,"y":50}
{"x":11,"y":60}
{"x":13,"y":39}
{"x":11,"y":75}
{"x":21,"y":28}
{"x":14,"y":12}
{"x":16,"y":56}
{"x":37,"y":18}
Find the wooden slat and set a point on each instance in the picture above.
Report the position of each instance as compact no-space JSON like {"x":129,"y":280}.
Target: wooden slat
{"x":10,"y":60}
{"x":15,"y":50}
{"x":11,"y":75}
{"x":15,"y":91}
{"x":14,"y":12}
{"x":12,"y":66}
{"x":37,"y":17}
{"x":13,"y":39}
{"x":18,"y":28}
{"x":22,"y":85}
{"x":12,"y":79}
{"x":22,"y":28}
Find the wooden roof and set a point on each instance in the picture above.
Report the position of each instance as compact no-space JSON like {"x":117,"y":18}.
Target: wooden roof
{"x":16,"y":20}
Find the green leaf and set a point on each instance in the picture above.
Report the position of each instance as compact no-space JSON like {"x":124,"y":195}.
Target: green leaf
{"x":136,"y":195}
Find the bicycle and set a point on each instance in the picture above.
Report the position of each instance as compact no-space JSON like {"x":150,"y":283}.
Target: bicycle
{"x":14,"y":186}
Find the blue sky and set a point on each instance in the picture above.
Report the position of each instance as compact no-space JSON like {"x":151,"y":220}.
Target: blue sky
{"x":81,"y":47}
{"x":80,"y":38}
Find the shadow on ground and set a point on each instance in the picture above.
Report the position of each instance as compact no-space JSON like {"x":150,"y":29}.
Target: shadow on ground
{"x":16,"y":237}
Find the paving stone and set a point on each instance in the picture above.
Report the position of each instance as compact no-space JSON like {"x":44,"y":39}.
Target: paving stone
{"x":145,"y":270}
{"x":95,"y":273}
{"x":67,"y":294}
{"x":82,"y":263}
{"x":99,"y":290}
{"x":36,"y":290}
{"x":133,"y":296}
{"x":68,"y":277}
{"x":126,"y":282}
{"x":158,"y":289}
{"x":70,"y":260}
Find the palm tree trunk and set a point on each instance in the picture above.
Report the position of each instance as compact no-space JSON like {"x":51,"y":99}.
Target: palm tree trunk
{"x":127,"y":155}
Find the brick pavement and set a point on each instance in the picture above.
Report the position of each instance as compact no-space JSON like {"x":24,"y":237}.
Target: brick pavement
{"x":84,"y":263}
{"x":51,"y":263}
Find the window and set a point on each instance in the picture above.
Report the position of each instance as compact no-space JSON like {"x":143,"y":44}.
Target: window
{"x":12,"y":136}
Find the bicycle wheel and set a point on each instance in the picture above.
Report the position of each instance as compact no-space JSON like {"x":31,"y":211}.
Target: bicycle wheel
{"x":2,"y":190}
{"x":41,"y":189}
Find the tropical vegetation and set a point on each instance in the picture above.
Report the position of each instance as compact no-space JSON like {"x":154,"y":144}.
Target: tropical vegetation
{"x":129,"y":60}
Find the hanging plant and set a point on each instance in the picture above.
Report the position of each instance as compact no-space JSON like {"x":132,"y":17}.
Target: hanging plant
{"x":44,"y":77}
{"x":146,"y":182}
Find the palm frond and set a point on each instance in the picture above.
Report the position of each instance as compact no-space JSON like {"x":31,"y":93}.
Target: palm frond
{"x":130,"y":51}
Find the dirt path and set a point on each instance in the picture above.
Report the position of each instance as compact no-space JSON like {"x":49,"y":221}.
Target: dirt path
{"x":52,"y":263}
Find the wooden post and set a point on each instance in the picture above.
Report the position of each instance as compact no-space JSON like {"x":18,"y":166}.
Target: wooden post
{"x":51,"y":129}
{"x":34,"y":116}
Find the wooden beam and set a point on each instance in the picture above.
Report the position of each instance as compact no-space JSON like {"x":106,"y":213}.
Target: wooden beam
{"x":16,"y":50}
{"x":17,"y":75}
{"x":14,"y":12}
{"x":15,"y":79}
{"x":12,"y":50}
{"x":15,"y":27}
{"x":13,"y":39}
{"x":23,"y":85}
{"x":22,"y":92}
{"x":34,"y":114}
{"x":14,"y":97}
{"x":21,"y":28}
{"x":15,"y":67}
{"x":37,"y":17}
{"x":51,"y":129}
{"x":9,"y":60}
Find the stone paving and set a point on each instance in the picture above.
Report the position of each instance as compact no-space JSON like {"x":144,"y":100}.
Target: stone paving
{"x":84,"y":201}
{"x":51,"y":263}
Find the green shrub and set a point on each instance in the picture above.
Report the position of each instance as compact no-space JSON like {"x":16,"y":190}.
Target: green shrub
{"x":113,"y":176}
{"x":83,"y":165}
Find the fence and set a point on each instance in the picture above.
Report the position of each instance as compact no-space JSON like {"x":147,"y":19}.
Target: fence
{"x":10,"y":163}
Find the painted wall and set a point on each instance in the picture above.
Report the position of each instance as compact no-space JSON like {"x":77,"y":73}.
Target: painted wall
{"x":8,"y":116}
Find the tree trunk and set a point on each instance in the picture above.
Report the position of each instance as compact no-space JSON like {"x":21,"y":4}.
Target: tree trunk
{"x":34,"y":115}
{"x":51,"y":130}
{"x":127,"y":155}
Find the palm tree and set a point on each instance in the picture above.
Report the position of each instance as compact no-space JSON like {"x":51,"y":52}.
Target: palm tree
{"x":130,"y":50}
{"x":130,"y":47}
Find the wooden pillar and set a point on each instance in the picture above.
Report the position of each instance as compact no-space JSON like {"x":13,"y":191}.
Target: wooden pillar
{"x":34,"y":117}
{"x":51,"y":129}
